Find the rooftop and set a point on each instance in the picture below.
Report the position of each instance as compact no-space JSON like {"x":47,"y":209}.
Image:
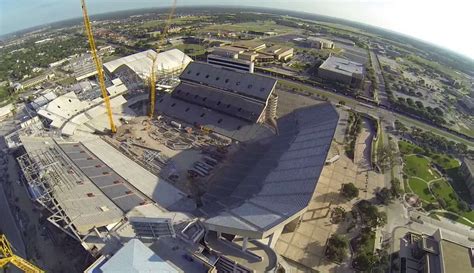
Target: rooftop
{"x":469,"y":164}
{"x":76,"y":194}
{"x":279,"y":183}
{"x":457,"y":258}
{"x":342,"y":66}
{"x":141,"y":62}
{"x":135,"y":257}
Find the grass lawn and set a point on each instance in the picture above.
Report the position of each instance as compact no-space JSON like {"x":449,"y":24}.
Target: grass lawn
{"x":420,"y":188}
{"x":191,"y":49}
{"x":446,"y":192}
{"x":454,"y":218}
{"x":419,"y":166}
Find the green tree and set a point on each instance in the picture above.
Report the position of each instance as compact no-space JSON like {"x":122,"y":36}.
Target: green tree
{"x":336,"y":248}
{"x":396,"y":187}
{"x":364,"y":261}
{"x":350,"y":191}
{"x":385,"y":196}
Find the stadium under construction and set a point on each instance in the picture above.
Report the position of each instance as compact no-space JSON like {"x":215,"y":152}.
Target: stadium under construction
{"x":206,"y":185}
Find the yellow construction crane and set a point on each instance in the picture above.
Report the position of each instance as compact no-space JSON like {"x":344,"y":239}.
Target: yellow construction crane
{"x":98,"y":65}
{"x":152,"y":77}
{"x":8,"y":257}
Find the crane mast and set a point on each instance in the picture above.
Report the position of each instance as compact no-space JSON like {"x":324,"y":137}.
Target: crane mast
{"x":98,"y":64}
{"x":152,"y":77}
{"x":8,"y":257}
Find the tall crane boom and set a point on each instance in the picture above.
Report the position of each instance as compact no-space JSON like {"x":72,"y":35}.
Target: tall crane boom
{"x":7,"y":257}
{"x":152,"y":77}
{"x":98,"y":65}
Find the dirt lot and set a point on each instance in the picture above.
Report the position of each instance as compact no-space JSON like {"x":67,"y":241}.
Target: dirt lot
{"x":170,"y":151}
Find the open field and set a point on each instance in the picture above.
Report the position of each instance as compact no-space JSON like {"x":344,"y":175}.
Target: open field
{"x":191,"y":49}
{"x":421,"y":189}
{"x":419,"y":166}
{"x":260,"y":26}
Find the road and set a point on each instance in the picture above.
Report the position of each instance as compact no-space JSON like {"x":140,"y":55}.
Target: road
{"x":386,"y":116}
{"x":383,"y":98}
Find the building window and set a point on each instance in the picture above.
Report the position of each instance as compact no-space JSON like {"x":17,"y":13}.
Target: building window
{"x":187,"y":93}
{"x":70,"y":100}
{"x":237,"y":83}
{"x":187,"y":109}
{"x":173,"y":105}
{"x":161,"y":100}
{"x":207,"y":76}
{"x":250,"y":86}
{"x":204,"y":99}
{"x":240,"y":109}
{"x":228,"y":105}
{"x":226,"y":80}
{"x":239,"y":127}
{"x":219,"y":121}
{"x":189,"y":72}
{"x":217,"y":78}
{"x":202,"y":115}
{"x":197,"y":74}
{"x":196,"y":96}
{"x":262,"y":89}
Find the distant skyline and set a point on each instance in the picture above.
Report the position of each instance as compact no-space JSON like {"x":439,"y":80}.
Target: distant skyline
{"x":447,"y":24}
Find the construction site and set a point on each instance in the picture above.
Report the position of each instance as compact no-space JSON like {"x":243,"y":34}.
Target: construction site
{"x":202,"y":176}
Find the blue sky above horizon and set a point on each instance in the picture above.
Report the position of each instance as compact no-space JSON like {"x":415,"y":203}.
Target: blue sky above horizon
{"x":445,"y":23}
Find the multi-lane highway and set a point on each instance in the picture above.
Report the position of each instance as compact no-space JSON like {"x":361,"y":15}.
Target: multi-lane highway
{"x":386,"y":116}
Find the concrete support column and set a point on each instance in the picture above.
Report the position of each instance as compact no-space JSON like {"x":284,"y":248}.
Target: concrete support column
{"x":272,"y":240}
{"x":219,"y":235}
{"x":244,"y":243}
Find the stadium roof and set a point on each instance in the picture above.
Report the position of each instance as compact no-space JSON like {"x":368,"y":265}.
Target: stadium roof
{"x":141,"y":63}
{"x":342,"y":66}
{"x":110,"y":183}
{"x":155,"y":188}
{"x":277,"y":187}
{"x":135,"y":257}
{"x":76,"y":194}
{"x":247,"y":84}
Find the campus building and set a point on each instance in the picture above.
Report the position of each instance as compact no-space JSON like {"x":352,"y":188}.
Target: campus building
{"x":342,"y":70}
{"x":232,"y":63}
{"x":467,"y":171}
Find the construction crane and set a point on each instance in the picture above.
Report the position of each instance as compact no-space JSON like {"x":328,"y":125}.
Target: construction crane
{"x":8,"y":257}
{"x":98,"y":65}
{"x":152,"y":77}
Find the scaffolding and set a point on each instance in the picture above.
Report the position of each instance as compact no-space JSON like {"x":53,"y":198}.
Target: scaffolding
{"x":47,"y":175}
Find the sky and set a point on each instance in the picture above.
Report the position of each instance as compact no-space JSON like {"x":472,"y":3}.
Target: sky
{"x":445,"y":23}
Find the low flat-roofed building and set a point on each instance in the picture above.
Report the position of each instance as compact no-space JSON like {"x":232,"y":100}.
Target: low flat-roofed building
{"x":232,"y":63}
{"x":320,"y":43}
{"x":37,"y":80}
{"x":228,"y":51}
{"x":342,"y":70}
{"x":6,"y":111}
{"x":250,"y":45}
{"x":284,"y":54}
{"x":467,"y":171}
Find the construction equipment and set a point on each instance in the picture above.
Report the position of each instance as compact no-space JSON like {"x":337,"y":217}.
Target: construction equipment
{"x":152,"y":77}
{"x":8,"y":257}
{"x":98,"y":65}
